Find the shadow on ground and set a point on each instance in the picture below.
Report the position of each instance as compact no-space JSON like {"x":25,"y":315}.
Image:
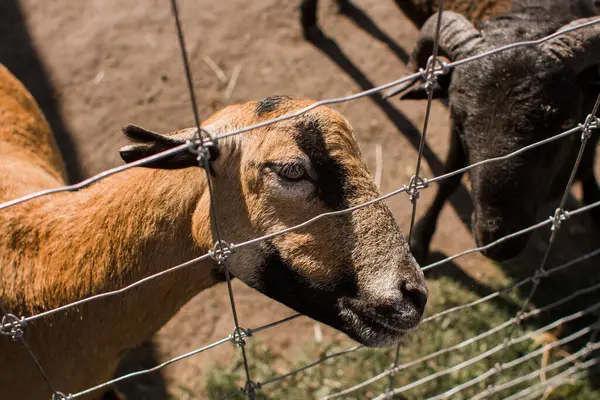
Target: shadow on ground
{"x":18,"y":54}
{"x":328,"y":46}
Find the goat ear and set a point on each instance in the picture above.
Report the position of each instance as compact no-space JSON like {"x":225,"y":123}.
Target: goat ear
{"x":148,"y":143}
{"x":139,"y":134}
{"x":419,"y":92}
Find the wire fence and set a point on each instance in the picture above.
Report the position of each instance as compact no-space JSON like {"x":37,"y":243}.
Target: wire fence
{"x":579,"y":363}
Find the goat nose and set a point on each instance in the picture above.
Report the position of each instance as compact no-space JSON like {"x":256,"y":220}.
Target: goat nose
{"x":416,"y":294}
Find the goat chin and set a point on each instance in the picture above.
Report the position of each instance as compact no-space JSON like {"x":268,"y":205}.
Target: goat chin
{"x":371,"y":333}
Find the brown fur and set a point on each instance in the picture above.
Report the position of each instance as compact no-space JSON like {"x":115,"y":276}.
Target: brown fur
{"x":64,"y":247}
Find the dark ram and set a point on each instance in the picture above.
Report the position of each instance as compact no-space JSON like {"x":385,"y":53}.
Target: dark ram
{"x":509,"y":100}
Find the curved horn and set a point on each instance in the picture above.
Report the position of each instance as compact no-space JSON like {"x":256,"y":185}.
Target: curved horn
{"x":458,"y":38}
{"x":579,"y":49}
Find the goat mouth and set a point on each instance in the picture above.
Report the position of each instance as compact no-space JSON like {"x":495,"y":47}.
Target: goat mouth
{"x":502,"y":248}
{"x":503,"y":251}
{"x":369,"y":329}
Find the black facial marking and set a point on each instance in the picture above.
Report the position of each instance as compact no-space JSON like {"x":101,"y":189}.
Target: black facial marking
{"x":270,"y":104}
{"x":280,"y":282}
{"x":331,"y":176}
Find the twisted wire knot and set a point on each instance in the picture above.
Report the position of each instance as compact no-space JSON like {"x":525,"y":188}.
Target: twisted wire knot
{"x":557,"y":219}
{"x":238,"y":335}
{"x":518,"y":320}
{"x":61,"y":396}
{"x":415,"y":184}
{"x":498,"y":367}
{"x":434,"y":68}
{"x":201,"y":145}
{"x":591,"y":122}
{"x":221,"y":251}
{"x":538,"y":275}
{"x":251,"y":387}
{"x":392,"y":369}
{"x":590,"y":346}
{"x":12,"y":326}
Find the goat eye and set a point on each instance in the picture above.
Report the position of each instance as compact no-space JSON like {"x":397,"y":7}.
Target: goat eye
{"x":290,"y":171}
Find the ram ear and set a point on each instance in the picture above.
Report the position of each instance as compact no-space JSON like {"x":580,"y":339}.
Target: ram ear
{"x":148,"y":143}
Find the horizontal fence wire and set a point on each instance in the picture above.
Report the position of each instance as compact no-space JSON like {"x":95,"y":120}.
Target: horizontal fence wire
{"x":207,"y":256}
{"x":481,"y":357}
{"x":342,"y":99}
{"x":483,"y":335}
{"x":503,"y":239}
{"x":556,"y":225}
{"x":572,"y":358}
{"x":317,"y":362}
{"x":508,"y":323}
{"x":219,"y":342}
{"x":573,"y":373}
{"x":510,"y":288}
{"x":416,"y":180}
{"x":419,"y":184}
{"x":518,"y":361}
{"x":96,"y":178}
{"x":160,"y":366}
{"x":569,"y":359}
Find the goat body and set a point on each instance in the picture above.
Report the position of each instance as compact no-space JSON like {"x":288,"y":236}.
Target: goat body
{"x":68,"y":246}
{"x":353,"y":272}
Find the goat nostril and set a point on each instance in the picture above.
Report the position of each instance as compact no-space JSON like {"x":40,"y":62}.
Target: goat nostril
{"x":416,"y":294}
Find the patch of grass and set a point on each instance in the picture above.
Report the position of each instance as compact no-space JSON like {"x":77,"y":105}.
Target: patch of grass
{"x":338,"y":373}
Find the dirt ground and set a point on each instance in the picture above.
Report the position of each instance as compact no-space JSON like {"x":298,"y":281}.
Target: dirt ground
{"x":100,"y":64}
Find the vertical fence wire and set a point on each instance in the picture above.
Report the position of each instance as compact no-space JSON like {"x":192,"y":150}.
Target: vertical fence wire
{"x":416,"y":182}
{"x":17,"y":333}
{"x":13,"y":326}
{"x":222,"y":249}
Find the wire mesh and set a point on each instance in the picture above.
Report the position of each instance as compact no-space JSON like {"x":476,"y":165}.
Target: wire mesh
{"x":11,"y":326}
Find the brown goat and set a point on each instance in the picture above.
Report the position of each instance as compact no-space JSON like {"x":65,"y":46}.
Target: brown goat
{"x":353,"y":272}
{"x":418,"y":11}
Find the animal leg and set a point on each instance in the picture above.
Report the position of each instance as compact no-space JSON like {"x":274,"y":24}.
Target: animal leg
{"x":425,"y":227}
